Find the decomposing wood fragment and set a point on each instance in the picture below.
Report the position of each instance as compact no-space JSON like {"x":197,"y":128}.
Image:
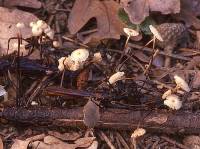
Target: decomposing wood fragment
{"x":179,"y":121}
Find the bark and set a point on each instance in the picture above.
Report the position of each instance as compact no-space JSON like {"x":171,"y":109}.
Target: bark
{"x":159,"y":121}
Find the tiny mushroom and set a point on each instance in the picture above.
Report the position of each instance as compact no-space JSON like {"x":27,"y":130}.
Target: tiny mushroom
{"x":20,"y":25}
{"x":36,"y":31}
{"x":173,"y":102}
{"x":180,"y":82}
{"x":155,"y":33}
{"x":131,"y":32}
{"x":167,"y":93}
{"x":80,"y":55}
{"x":138,"y":133}
{"x":116,"y":77}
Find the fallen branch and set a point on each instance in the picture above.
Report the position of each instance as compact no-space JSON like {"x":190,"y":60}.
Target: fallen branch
{"x":159,"y":121}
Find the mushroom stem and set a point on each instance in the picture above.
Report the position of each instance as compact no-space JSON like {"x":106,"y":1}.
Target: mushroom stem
{"x":126,"y":43}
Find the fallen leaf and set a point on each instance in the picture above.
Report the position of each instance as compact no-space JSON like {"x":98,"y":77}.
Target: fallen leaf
{"x":84,"y":142}
{"x":8,"y":20}
{"x":190,"y":9}
{"x":94,"y":145}
{"x":138,"y":10}
{"x":65,"y":136}
{"x":1,"y":144}
{"x":82,"y":79}
{"x":42,"y":145}
{"x":20,"y":144}
{"x":192,"y":142}
{"x":196,"y":80}
{"x":106,"y":14}
{"x":91,"y":114}
{"x":25,"y":3}
{"x":51,"y":140}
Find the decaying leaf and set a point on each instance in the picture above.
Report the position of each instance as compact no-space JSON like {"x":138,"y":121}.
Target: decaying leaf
{"x":51,"y":140}
{"x":105,"y":12}
{"x":190,"y":9}
{"x":91,"y":114}
{"x":25,"y":3}
{"x":94,"y":145}
{"x":8,"y":20}
{"x":20,"y":144}
{"x":42,"y":145}
{"x":1,"y":144}
{"x":84,"y":142}
{"x":65,"y":136}
{"x":192,"y":142}
{"x":138,"y":10}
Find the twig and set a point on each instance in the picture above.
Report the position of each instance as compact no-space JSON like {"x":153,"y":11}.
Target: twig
{"x":71,"y":40}
{"x":161,"y":52}
{"x":122,"y":141}
{"x":107,"y":140}
{"x":174,"y":142}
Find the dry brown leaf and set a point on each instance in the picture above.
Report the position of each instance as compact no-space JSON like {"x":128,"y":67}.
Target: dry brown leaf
{"x":94,"y":145}
{"x":51,"y":140}
{"x":138,"y":10}
{"x":190,"y":9}
{"x":65,"y":136}
{"x":82,"y":79}
{"x":1,"y":144}
{"x":193,"y":142}
{"x":20,"y":144}
{"x":84,"y":142}
{"x":8,"y":20}
{"x":42,"y":145}
{"x":105,"y":12}
{"x":25,"y":3}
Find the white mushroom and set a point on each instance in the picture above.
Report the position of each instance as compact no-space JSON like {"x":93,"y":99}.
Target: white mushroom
{"x":173,"y":102}
{"x":80,"y":55}
{"x":36,"y":31}
{"x":131,"y":32}
{"x":56,"y":44}
{"x":138,"y":133}
{"x":61,"y":65}
{"x":167,"y":93}
{"x":41,"y":24}
{"x":116,"y":77}
{"x":180,"y":82}
{"x":155,"y":32}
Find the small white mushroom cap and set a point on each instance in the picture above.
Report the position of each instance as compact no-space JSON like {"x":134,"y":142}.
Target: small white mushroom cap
{"x":41,"y":24}
{"x":131,"y":32}
{"x":138,"y":133}
{"x":180,"y":82}
{"x":167,"y":93}
{"x":80,"y":55}
{"x":155,"y":32}
{"x":116,"y":77}
{"x":50,"y":34}
{"x":61,"y":65}
{"x":36,"y":31}
{"x":173,"y":102}
{"x":66,"y":62}
{"x":32,"y":24}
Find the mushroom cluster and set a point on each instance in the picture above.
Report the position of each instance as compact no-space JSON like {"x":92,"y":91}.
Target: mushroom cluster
{"x":74,"y":61}
{"x":171,"y":99}
{"x":40,"y":27}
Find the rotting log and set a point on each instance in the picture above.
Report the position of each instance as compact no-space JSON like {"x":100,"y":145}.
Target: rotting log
{"x":158,"y":120}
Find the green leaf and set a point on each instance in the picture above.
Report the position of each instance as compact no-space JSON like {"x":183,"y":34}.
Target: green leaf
{"x":143,"y":27}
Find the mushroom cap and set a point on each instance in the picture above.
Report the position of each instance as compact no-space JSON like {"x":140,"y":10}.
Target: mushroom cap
{"x":181,"y":83}
{"x":173,"y":102}
{"x":36,"y":31}
{"x":138,"y":132}
{"x":167,"y":93}
{"x":116,"y":77}
{"x":155,"y":32}
{"x":80,"y":55}
{"x":131,"y":32}
{"x":42,"y":24}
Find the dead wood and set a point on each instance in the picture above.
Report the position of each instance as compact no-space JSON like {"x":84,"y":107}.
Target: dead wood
{"x":159,"y":121}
